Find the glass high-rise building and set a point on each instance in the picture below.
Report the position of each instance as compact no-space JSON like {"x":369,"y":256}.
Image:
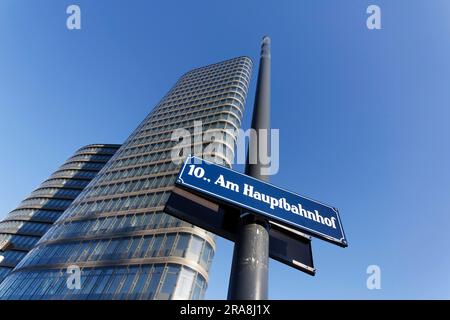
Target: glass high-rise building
{"x":24,"y":226}
{"x":116,"y":231}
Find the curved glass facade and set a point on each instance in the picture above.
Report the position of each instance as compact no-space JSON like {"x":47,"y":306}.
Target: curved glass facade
{"x":116,"y":231}
{"x":24,"y":226}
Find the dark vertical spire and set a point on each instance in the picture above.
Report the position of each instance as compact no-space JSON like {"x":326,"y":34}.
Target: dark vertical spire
{"x":249,"y":270}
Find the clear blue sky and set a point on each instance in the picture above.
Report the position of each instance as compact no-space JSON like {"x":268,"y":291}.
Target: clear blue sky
{"x":363,"y":115}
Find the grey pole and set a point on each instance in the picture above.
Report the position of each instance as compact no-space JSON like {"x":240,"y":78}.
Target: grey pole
{"x":249,"y":270}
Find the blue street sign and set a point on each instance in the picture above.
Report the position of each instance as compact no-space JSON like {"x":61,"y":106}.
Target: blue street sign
{"x":263,"y":198}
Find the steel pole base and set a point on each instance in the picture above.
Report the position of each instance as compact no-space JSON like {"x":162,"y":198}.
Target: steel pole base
{"x":249,"y":271}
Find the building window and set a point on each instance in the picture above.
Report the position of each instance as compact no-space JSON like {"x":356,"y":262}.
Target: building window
{"x":168,"y":285}
{"x":182,"y":243}
{"x":153,"y":282}
{"x":195,"y":247}
{"x":184,"y":284}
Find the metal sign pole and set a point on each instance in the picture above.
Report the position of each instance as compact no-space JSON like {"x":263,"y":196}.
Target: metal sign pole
{"x":249,"y":270}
